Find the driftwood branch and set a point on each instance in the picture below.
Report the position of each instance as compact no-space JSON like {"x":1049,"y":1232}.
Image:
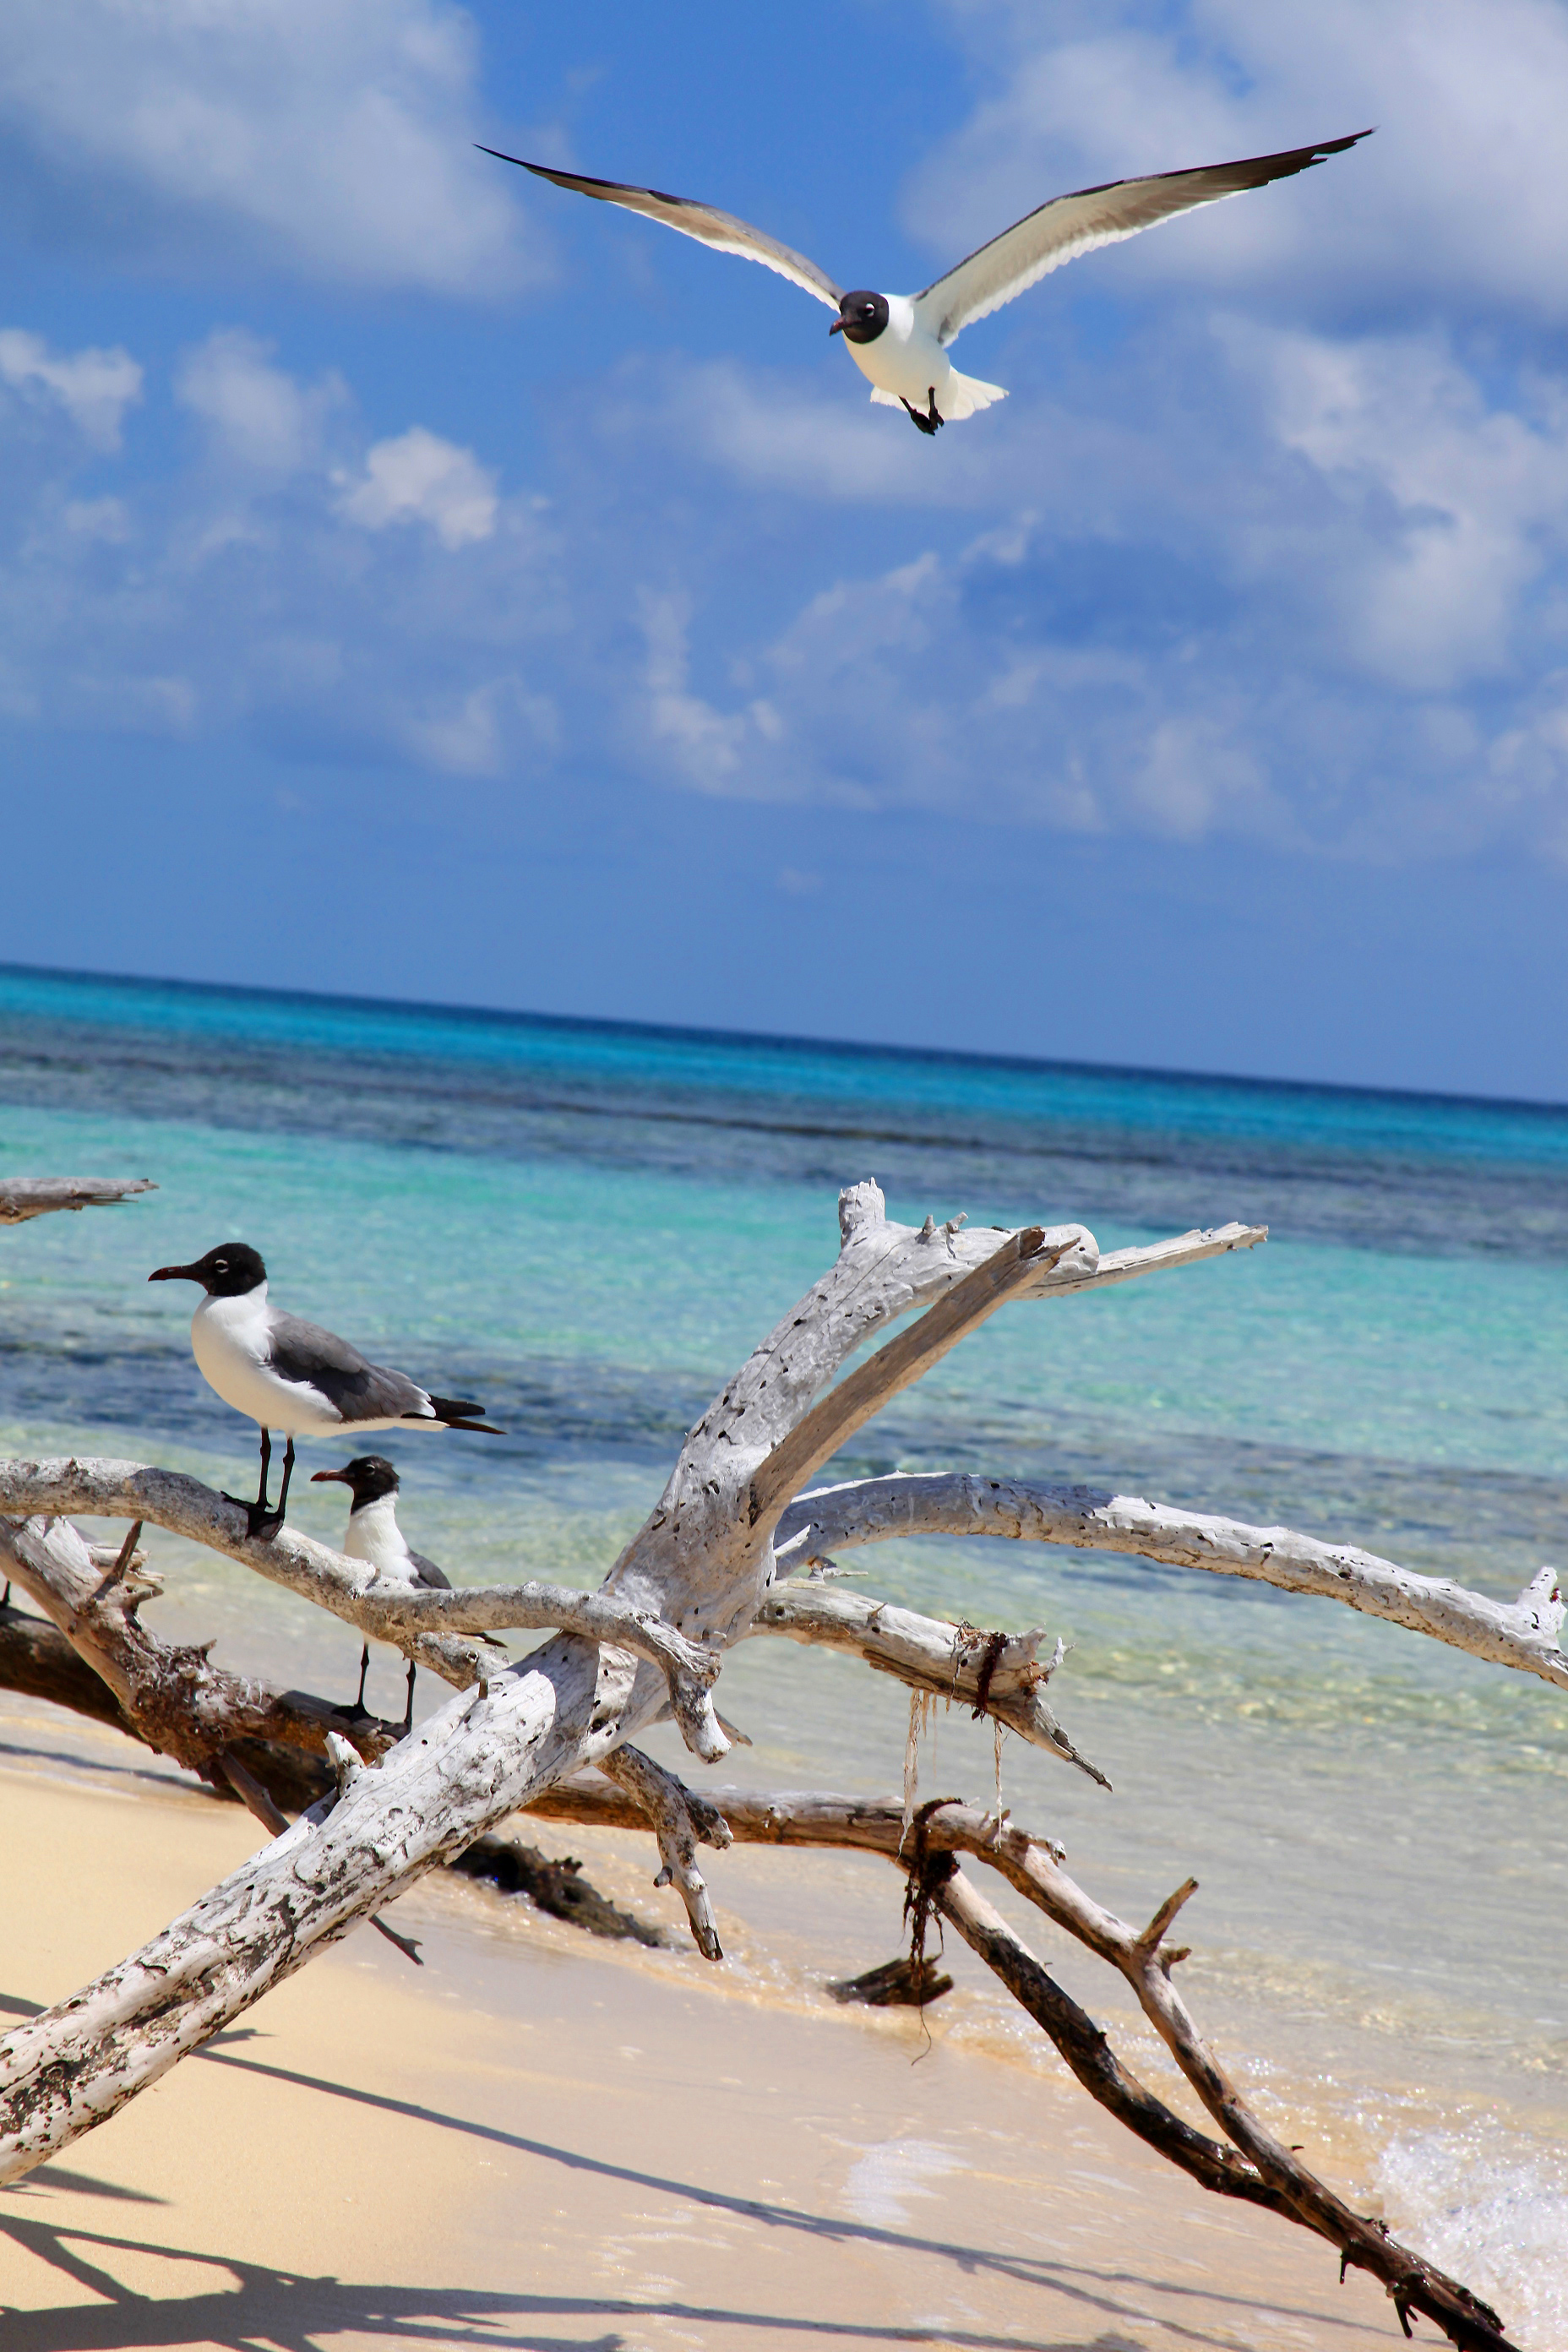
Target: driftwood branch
{"x":419,"y":1623}
{"x":22,"y":1197}
{"x":174,"y":1699}
{"x":1257,"y":2167}
{"x":1000,"y":1675}
{"x":1522,"y":1633}
{"x":680,"y":1821}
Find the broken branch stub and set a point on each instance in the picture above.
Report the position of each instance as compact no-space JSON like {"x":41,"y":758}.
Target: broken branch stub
{"x":680,"y":1820}
{"x":22,"y":1197}
{"x":929,"y":1655}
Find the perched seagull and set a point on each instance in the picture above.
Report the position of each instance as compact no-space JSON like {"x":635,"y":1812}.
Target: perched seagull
{"x":374,"y":1537}
{"x":900,"y":341}
{"x":293,"y":1376}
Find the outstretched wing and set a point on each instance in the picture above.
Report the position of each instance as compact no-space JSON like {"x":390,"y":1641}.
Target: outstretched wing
{"x":706,"y":222}
{"x":1068,"y":225}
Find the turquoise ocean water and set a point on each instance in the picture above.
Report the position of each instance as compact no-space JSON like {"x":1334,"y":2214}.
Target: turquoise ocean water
{"x":589,"y":1227}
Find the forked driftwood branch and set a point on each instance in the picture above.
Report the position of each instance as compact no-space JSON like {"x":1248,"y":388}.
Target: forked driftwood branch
{"x":699,"y":1574}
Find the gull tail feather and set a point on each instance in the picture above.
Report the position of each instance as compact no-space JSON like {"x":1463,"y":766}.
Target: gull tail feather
{"x":961,"y":396}
{"x":964,"y":395}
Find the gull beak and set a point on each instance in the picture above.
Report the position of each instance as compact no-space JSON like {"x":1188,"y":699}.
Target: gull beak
{"x":838,"y":326}
{"x":174,"y":1273}
{"x":329,"y":1479}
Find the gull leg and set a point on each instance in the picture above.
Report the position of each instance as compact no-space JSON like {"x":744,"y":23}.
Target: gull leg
{"x":288,"y":1473}
{"x":408,"y":1714}
{"x":259,"y":1513}
{"x":364,"y":1670}
{"x":931,"y":422}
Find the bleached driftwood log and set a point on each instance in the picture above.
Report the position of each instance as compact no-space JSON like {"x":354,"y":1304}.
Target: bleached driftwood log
{"x":701,"y":1563}
{"x":22,"y":1197}
{"x":1522,"y":1634}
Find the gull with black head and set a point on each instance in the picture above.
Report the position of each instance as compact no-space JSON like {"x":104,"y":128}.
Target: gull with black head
{"x":291,"y":1375}
{"x":374,"y":1537}
{"x":900,"y":341}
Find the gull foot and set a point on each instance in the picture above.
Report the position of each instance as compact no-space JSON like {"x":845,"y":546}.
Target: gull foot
{"x":261,"y":1521}
{"x":932,"y":421}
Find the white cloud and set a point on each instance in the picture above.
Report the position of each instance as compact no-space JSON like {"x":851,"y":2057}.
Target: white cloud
{"x":94,"y":387}
{"x":260,"y":415}
{"x":1463,"y":191}
{"x":419,"y":477}
{"x":333,"y":135}
{"x":1456,"y":506}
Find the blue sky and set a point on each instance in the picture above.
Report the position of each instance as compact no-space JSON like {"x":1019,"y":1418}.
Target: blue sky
{"x":415,"y":580}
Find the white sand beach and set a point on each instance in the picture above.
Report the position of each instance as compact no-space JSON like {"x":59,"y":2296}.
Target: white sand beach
{"x":542,"y":2141}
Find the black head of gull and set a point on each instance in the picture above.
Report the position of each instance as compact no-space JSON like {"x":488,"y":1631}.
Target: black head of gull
{"x":862,"y":317}
{"x":368,"y":1478}
{"x":232,"y":1270}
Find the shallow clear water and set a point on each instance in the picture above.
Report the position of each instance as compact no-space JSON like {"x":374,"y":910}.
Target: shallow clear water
{"x":590,"y":1227}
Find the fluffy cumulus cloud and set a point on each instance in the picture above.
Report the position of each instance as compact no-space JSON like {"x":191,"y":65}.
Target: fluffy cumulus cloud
{"x":1322,"y":601}
{"x":329,"y":136}
{"x":255,"y":412}
{"x":418,"y":477}
{"x":93,"y":388}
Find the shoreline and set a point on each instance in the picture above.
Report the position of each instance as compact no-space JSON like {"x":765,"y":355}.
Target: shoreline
{"x":546,"y":2140}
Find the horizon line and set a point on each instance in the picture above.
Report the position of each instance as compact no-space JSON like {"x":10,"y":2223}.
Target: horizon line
{"x":863,"y":1048}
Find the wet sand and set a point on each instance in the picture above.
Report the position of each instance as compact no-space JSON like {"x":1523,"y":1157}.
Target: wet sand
{"x":539,"y":2141}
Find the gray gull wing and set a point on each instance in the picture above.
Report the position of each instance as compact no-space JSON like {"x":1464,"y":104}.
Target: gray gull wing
{"x":706,"y":222}
{"x":1068,"y":225}
{"x":360,"y":1391}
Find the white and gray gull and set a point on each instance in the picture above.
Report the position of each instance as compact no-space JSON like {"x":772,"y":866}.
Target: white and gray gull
{"x":900,"y":341}
{"x":291,"y":1375}
{"x":374,"y":1537}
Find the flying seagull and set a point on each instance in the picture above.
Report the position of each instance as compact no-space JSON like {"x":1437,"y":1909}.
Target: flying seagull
{"x":374,"y":1537}
{"x":900,"y":341}
{"x":293,"y":1376}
